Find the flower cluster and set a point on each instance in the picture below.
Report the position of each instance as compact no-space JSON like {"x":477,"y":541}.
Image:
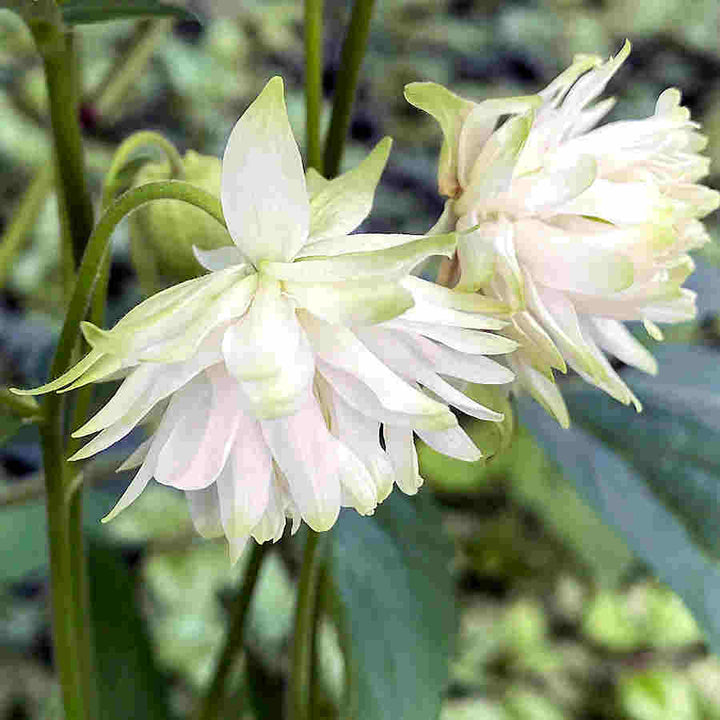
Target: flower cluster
{"x":577,"y":229}
{"x":290,"y":380}
{"x":267,"y":380}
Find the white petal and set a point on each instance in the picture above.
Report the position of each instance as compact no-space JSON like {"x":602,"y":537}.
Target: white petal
{"x":544,"y":390}
{"x":401,"y":449}
{"x":309,"y":458}
{"x":428,"y":293}
{"x":219,"y":258}
{"x":341,"y":348}
{"x":272,"y":524}
{"x":66,"y":378}
{"x":344,"y":202}
{"x":264,"y":197}
{"x":453,"y":443}
{"x":137,"y":457}
{"x":356,"y":243}
{"x":204,"y":508}
{"x":614,"y":337}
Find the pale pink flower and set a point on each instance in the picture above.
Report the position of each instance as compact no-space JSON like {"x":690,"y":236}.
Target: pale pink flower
{"x":578,"y":229}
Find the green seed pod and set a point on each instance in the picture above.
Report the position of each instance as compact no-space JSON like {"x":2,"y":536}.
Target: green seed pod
{"x":163,"y":232}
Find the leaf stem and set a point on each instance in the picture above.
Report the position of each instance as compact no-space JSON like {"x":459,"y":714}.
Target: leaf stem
{"x":299,"y":694}
{"x":313,"y":80}
{"x":353,"y":52}
{"x":211,"y":705}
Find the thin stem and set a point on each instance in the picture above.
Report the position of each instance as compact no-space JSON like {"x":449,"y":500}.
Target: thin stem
{"x":353,"y":52}
{"x":305,"y":617}
{"x":61,"y":78}
{"x":125,"y":70}
{"x":23,"y":219}
{"x":313,"y":80}
{"x":211,"y":705}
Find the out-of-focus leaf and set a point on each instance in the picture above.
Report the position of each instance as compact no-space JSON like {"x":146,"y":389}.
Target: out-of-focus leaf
{"x":9,"y":425}
{"x":674,"y":444}
{"x":23,"y":534}
{"x":78,"y":12}
{"x":396,"y":598}
{"x":662,"y":528}
{"x":16,"y":412}
{"x":129,"y":683}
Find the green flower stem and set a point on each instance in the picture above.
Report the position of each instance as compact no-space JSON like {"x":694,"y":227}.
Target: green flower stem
{"x":23,"y":219}
{"x":353,"y":52}
{"x":129,"y":146}
{"x":113,"y":89}
{"x":61,"y":78}
{"x":212,"y":704}
{"x":313,"y":80}
{"x":299,"y":694}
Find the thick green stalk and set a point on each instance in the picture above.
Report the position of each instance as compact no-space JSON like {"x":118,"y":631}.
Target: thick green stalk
{"x":211,"y":705}
{"x":61,"y":78}
{"x":353,"y":52}
{"x":313,"y":80}
{"x":299,"y":694}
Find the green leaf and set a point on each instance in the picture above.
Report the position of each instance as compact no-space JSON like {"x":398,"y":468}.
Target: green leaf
{"x":129,"y":683}
{"x":657,"y":482}
{"x":396,"y":599}
{"x":79,"y":12}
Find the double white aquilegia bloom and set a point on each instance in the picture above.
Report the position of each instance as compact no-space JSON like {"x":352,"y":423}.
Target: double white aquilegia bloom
{"x":578,"y":229}
{"x":268,"y":379}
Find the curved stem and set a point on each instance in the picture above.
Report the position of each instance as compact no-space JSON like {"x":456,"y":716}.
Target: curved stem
{"x":299,"y":695}
{"x":353,"y":52}
{"x":211,"y":704}
{"x":128,"y":147}
{"x":313,"y":80}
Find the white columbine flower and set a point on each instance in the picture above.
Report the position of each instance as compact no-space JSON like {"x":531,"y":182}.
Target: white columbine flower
{"x":268,"y":379}
{"x":579,"y":229}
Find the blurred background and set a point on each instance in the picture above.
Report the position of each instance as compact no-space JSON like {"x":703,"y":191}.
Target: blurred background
{"x":557,"y":619}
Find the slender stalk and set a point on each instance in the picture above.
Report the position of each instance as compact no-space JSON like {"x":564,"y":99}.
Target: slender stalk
{"x":211,"y":705}
{"x":305,"y":618}
{"x":313,"y":80}
{"x":23,"y":219}
{"x":112,"y":90}
{"x":353,"y":52}
{"x":60,"y":75}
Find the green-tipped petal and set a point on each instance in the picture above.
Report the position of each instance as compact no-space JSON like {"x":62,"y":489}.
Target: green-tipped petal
{"x":423,"y":290}
{"x":450,"y":111}
{"x":339,"y":206}
{"x":390,"y":264}
{"x":65,"y":379}
{"x":355,"y":304}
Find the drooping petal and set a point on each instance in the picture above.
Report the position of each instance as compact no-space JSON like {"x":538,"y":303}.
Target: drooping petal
{"x":66,"y":378}
{"x":264,"y":197}
{"x":344,"y":202}
{"x":401,"y":450}
{"x":614,"y":337}
{"x":454,"y":443}
{"x":310,"y":460}
{"x":204,"y":508}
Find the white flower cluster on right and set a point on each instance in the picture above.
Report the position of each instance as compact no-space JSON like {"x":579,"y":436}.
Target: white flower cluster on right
{"x":576,"y":228}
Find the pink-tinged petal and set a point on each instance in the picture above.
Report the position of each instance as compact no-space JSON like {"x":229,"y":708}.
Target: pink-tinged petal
{"x":225,"y":421}
{"x":244,"y":487}
{"x":454,"y":443}
{"x":204,"y":506}
{"x":307,"y":455}
{"x":564,"y":261}
{"x":264,"y":197}
{"x":175,"y":411}
{"x":401,"y":450}
{"x":340,"y":348}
